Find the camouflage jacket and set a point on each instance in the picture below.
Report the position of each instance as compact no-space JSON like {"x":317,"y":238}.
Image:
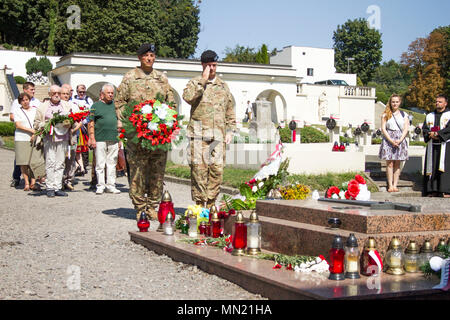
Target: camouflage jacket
{"x":138,"y":86}
{"x":212,"y":108}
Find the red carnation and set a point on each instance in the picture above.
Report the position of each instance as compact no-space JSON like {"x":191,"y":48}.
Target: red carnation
{"x":332,"y":190}
{"x":360,"y":179}
{"x":347,"y":195}
{"x":353,"y":189}
{"x":121,"y":136}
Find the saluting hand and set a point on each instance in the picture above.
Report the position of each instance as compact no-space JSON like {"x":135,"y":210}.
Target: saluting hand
{"x":205,"y":74}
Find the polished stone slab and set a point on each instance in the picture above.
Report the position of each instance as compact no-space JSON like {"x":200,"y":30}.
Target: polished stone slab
{"x":258,"y":276}
{"x":291,"y":237}
{"x":356,"y":218}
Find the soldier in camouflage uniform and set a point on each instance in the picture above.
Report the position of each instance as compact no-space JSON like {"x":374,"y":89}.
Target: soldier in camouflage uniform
{"x":146,"y":167}
{"x":211,"y":126}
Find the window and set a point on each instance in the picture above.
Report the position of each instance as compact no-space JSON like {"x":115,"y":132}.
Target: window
{"x":310,"y":72}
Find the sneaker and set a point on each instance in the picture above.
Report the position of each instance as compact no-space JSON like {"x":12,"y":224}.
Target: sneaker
{"x":60,"y":193}
{"x":113,"y":190}
{"x":51,"y":193}
{"x":14,"y":183}
{"x":99,"y":191}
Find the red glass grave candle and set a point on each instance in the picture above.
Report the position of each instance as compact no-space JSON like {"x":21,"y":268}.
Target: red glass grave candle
{"x":143,"y":223}
{"x":165,"y":206}
{"x":337,"y":255}
{"x":239,"y":236}
{"x":202,"y":228}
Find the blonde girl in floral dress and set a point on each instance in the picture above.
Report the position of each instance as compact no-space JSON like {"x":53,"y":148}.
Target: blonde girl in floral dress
{"x":394,"y":147}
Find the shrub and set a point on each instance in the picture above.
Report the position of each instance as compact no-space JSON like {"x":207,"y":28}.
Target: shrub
{"x":418,"y":143}
{"x":20,"y":79}
{"x":307,"y":134}
{"x":7,"y":129}
{"x":34,"y":65}
{"x":311,"y":135}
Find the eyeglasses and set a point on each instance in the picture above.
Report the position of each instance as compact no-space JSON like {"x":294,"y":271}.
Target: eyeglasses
{"x":55,"y":93}
{"x":81,"y":91}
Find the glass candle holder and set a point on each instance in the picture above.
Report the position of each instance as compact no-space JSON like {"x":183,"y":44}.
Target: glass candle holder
{"x":192,"y":226}
{"x":168,"y":225}
{"x":253,"y":235}
{"x":412,"y":258}
{"x":239,"y":236}
{"x":351,"y":261}
{"x":202,"y":228}
{"x":394,"y":258}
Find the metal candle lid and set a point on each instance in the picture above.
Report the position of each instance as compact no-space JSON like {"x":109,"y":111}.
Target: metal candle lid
{"x":338,"y":243}
{"x":426,"y":248}
{"x":395,"y":243}
{"x":254,"y":217}
{"x":166,"y":197}
{"x":412,"y":247}
{"x":352,"y":242}
{"x":370,"y":244}
{"x":190,"y":214}
{"x":213,"y":213}
{"x":239,"y":218}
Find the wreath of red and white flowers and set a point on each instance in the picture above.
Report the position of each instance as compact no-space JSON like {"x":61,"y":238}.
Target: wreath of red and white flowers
{"x":355,"y":189}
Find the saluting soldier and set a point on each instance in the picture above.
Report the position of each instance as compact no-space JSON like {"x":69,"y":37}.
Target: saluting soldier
{"x":146,"y":167}
{"x":211,"y":126}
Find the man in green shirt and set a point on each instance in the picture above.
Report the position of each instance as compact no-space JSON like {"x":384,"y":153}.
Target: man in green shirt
{"x":103,"y":139}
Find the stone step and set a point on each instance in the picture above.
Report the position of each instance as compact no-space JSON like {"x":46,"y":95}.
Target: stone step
{"x":258,"y":276}
{"x":304,"y":230}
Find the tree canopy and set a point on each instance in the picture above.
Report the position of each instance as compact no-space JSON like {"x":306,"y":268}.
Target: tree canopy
{"x":428,"y":62}
{"x":354,"y":39}
{"x":243,"y":54}
{"x":111,"y":27}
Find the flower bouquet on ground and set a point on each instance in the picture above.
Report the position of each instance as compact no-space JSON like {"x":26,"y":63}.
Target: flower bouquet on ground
{"x":271,"y":175}
{"x":152,"y":124}
{"x":355,"y":189}
{"x":59,"y":124}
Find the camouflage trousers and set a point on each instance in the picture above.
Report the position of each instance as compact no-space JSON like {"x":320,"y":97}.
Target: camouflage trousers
{"x":207,"y":160}
{"x":146,"y":179}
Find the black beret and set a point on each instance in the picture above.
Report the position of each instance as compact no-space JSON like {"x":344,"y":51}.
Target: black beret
{"x":209,"y":56}
{"x":145,"y":48}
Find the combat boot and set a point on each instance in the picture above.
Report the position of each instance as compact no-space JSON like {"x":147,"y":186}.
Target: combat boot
{"x":200,"y":203}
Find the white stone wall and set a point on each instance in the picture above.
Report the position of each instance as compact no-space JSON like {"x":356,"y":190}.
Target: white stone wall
{"x":16,"y":60}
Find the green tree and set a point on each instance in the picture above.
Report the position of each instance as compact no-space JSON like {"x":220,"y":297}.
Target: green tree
{"x":354,"y":39}
{"x":427,"y":62}
{"x":389,"y":78}
{"x":112,"y":27}
{"x":243,"y":54}
{"x":32,"y":65}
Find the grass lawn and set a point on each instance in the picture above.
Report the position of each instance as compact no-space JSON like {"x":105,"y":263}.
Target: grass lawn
{"x":234,"y":177}
{"x":9,"y":142}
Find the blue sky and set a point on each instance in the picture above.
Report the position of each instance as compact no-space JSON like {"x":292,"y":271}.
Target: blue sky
{"x":280,"y":23}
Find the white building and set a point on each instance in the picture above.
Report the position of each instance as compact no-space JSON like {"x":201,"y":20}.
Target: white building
{"x":285,"y":82}
{"x":312,"y":64}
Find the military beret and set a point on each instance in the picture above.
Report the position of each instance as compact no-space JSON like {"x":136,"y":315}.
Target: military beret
{"x":209,"y":56}
{"x":145,"y":48}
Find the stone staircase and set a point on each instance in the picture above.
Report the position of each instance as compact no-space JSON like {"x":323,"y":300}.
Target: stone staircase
{"x":376,"y":170}
{"x":40,"y":93}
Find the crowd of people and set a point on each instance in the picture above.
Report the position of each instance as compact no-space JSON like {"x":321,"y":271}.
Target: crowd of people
{"x":56,"y":159}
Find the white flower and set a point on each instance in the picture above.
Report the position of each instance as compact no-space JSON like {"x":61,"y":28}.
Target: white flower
{"x":342,"y":194}
{"x":169,"y":124}
{"x":315,"y":195}
{"x":436,"y":263}
{"x":153,"y":126}
{"x":334,"y":196}
{"x":254,"y":188}
{"x":318,"y":260}
{"x":146,"y":109}
{"x":161,"y":111}
{"x":260,"y":185}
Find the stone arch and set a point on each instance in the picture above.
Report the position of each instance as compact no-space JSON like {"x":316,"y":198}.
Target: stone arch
{"x":278,"y":108}
{"x":177,"y":101}
{"x":94,"y":90}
